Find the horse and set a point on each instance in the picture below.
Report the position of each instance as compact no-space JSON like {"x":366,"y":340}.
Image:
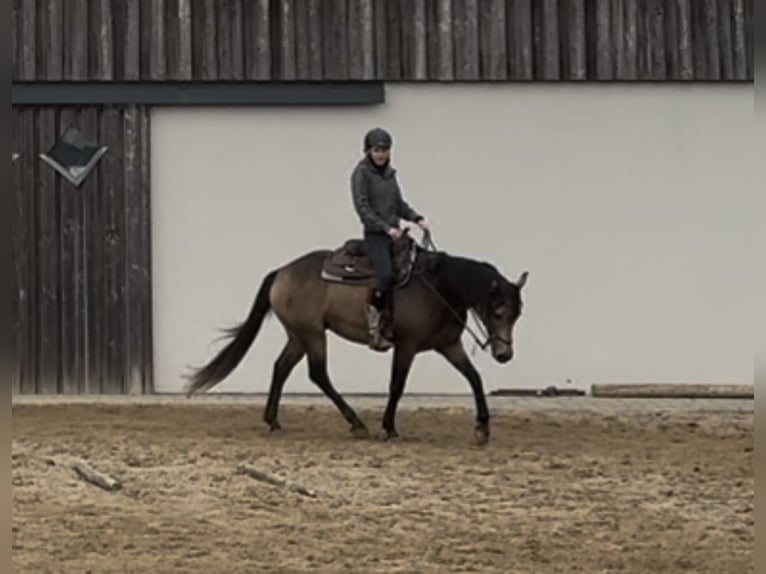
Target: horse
{"x":327,"y":289}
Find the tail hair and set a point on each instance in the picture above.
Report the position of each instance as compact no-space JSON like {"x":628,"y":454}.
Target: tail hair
{"x":242,"y":335}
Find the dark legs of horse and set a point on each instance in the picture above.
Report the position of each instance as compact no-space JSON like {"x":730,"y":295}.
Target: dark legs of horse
{"x":290,"y":356}
{"x":316,"y":349}
{"x":402,"y":362}
{"x":458,"y":358}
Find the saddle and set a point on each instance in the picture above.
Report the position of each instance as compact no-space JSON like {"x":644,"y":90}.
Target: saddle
{"x":350,"y":264}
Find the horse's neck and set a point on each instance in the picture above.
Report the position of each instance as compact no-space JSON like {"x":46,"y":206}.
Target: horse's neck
{"x":465,"y":281}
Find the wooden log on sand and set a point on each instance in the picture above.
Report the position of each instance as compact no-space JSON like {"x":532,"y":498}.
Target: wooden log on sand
{"x":95,"y":477}
{"x":672,"y":391}
{"x":264,"y":476}
{"x":546,"y":392}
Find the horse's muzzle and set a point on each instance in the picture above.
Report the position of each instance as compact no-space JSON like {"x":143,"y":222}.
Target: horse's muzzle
{"x":503,"y":356}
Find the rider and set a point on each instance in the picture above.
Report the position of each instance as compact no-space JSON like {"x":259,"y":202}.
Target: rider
{"x":380,"y":206}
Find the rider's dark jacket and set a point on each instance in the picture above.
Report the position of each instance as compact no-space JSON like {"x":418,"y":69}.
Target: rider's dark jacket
{"x":377,"y":197}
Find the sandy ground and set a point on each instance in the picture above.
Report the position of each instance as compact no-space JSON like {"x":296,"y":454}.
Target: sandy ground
{"x":564,"y":486}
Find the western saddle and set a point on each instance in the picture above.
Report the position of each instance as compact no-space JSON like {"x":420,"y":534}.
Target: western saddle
{"x":350,"y":264}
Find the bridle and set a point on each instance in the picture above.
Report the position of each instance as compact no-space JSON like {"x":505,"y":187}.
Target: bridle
{"x":429,"y":245}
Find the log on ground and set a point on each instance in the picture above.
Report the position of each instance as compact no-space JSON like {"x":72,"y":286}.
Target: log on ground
{"x":95,"y":477}
{"x":672,"y":390}
{"x":274,"y":480}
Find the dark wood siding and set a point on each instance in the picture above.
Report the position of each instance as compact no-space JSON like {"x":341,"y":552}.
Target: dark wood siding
{"x":419,"y":40}
{"x":82,"y":318}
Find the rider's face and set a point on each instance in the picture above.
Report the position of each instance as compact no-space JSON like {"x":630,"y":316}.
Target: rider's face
{"x":380,"y":155}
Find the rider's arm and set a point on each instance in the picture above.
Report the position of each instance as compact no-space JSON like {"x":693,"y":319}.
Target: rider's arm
{"x":405,"y":210}
{"x":366,"y":213}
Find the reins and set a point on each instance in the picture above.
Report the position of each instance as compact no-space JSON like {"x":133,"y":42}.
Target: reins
{"x":428,"y":244}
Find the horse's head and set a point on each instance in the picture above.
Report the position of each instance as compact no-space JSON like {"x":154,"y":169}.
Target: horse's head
{"x":503,"y":309}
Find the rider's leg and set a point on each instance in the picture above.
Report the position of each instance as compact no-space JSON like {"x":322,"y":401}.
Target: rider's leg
{"x":379,"y":252}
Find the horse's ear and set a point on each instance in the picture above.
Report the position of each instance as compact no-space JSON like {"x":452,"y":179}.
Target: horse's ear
{"x":522,"y":280}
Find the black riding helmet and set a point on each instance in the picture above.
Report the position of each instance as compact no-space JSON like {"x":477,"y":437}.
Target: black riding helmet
{"x":377,"y":137}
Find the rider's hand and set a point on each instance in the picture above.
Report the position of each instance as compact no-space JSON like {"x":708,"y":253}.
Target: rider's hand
{"x":395,"y":232}
{"x":423,"y":224}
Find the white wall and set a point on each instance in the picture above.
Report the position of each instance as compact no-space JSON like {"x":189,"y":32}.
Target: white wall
{"x":633,"y":207}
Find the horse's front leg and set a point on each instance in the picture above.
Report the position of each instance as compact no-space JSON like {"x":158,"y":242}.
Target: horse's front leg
{"x":458,"y":358}
{"x":400,"y":368}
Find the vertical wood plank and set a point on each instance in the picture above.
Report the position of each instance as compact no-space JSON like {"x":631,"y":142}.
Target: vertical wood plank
{"x":237,"y":44}
{"x":466,"y":34}
{"x":133,"y":249}
{"x":335,"y":32}
{"x":54,"y":45}
{"x":30,"y":181}
{"x":209,"y":41}
{"x":78,"y":24}
{"x":47,"y":259}
{"x":28,"y":38}
{"x":725,"y":39}
{"x":576,"y":37}
{"x":302,"y":41}
{"x":144,"y":241}
{"x":672,"y":56}
{"x":19,"y":261}
{"x":111,"y":241}
{"x":223,"y":39}
{"x":368,"y":39}
{"x":618,"y":38}
{"x":258,"y":41}
{"x":685,"y":40}
{"x":355,"y":31}
{"x":630,"y":52}
{"x":73,"y":311}
{"x":749,"y":25}
{"x":94,"y":238}
{"x":361,"y":40}
{"x":287,"y":39}
{"x":132,"y":63}
{"x":16,"y":41}
{"x":604,"y":47}
{"x":446,"y":51}
{"x":381,"y":39}
{"x":393,"y":40}
{"x":710,"y":19}
{"x":184,"y":69}
{"x":105,"y":48}
{"x":519,"y":34}
{"x":419,"y":40}
{"x":656,"y":25}
{"x":740,"y":44}
{"x":495,"y":47}
{"x":432,"y":39}
{"x":158,"y":59}
{"x":699,"y":42}
{"x":23,"y":251}
{"x":316,"y":40}
{"x":549,"y":39}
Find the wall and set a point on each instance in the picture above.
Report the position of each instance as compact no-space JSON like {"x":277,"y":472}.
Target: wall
{"x":632,"y":208}
{"x":81,"y":299}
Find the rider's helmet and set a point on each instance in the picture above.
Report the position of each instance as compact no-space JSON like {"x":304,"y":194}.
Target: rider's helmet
{"x":377,"y":137}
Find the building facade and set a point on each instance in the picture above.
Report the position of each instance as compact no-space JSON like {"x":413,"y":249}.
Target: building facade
{"x":168,"y":154}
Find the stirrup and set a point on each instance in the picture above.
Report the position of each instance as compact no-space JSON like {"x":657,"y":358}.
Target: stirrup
{"x":376,"y":340}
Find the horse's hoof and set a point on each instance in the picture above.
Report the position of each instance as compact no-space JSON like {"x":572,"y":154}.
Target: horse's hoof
{"x":274,"y":427}
{"x":360,"y":432}
{"x":481,"y":436}
{"x":389,"y":435}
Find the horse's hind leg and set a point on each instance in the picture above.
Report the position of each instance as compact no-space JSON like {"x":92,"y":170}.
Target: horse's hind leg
{"x":290,"y":356}
{"x":316,"y":350}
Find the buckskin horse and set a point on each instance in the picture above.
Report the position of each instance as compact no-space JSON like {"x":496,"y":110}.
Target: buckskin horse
{"x":328,"y":288}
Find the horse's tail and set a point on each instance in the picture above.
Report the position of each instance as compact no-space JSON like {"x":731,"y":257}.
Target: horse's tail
{"x":243,"y":335}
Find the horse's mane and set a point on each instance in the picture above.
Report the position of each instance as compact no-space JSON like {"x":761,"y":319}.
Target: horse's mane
{"x":467,"y":280}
